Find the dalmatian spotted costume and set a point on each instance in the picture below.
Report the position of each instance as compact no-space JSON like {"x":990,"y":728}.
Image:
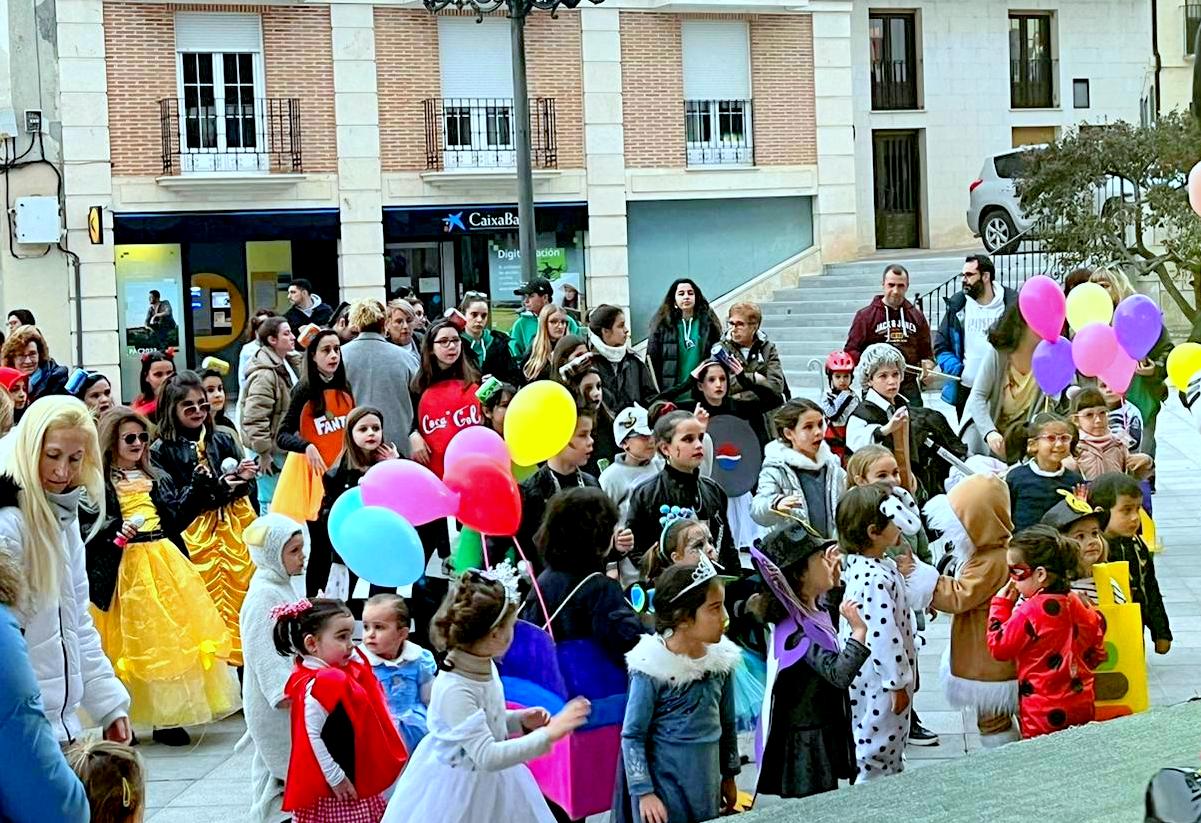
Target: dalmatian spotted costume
{"x":879,"y":588}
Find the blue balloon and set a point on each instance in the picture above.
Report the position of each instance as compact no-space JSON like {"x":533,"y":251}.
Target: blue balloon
{"x":347,"y":504}
{"x":380,"y":546}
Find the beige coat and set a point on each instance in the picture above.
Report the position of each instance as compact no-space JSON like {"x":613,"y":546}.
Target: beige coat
{"x":265,"y":399}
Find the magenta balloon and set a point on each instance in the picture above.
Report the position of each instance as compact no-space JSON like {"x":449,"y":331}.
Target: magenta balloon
{"x":1118,"y":374}
{"x":1052,"y":365}
{"x":477,"y":440}
{"x":1137,"y":322}
{"x":1043,"y":306}
{"x":1094,"y":348}
{"x":409,"y":489}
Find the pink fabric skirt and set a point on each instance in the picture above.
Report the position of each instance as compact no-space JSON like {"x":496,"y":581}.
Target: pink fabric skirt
{"x":333,"y":810}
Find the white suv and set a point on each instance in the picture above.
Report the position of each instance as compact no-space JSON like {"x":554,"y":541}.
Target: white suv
{"x":994,"y":213}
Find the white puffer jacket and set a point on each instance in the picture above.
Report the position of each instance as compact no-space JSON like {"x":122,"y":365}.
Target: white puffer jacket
{"x":64,"y":648}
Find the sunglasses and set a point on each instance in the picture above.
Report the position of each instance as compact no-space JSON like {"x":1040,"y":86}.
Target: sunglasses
{"x":475,"y":295}
{"x":188,"y":406}
{"x":131,"y":438}
{"x":1020,"y":572}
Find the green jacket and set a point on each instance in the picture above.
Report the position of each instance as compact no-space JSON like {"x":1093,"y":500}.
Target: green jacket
{"x":523,"y":331}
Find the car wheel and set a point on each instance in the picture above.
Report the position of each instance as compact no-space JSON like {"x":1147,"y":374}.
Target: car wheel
{"x":996,"y":230}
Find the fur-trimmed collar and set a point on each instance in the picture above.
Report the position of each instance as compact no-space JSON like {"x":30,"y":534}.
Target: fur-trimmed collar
{"x":942,"y":518}
{"x":652,"y":657}
{"x":778,"y":453}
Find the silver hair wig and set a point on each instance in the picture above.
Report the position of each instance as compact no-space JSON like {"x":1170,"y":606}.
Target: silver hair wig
{"x":875,"y":357}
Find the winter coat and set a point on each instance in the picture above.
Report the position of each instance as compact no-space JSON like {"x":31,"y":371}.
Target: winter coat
{"x":673,"y":487}
{"x":779,"y":478}
{"x":1144,"y":585}
{"x":379,"y":374}
{"x":300,"y":429}
{"x":49,"y":378}
{"x":268,"y":390}
{"x":949,"y":343}
{"x":910,"y":334}
{"x":497,"y":360}
{"x":764,"y":359}
{"x":663,"y":352}
{"x":596,"y":611}
{"x":72,"y":671}
{"x":536,"y":492}
{"x":1096,"y":456}
{"x":198,"y":493}
{"x":626,"y":382}
{"x":1056,"y":641}
{"x":36,"y":784}
{"x":319,"y":313}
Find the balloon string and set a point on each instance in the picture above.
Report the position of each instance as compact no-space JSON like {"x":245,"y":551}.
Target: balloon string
{"x":484,"y":548}
{"x":537,"y":589}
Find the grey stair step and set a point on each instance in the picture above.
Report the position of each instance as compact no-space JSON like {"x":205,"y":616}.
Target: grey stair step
{"x":834,"y":290}
{"x":815,"y":305}
{"x":802,"y":335}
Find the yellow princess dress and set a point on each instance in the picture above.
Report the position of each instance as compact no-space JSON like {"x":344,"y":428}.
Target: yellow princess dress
{"x":165,"y":638}
{"x":214,"y":541}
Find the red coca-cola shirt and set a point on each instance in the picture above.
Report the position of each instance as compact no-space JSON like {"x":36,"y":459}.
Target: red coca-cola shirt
{"x":445,"y":409}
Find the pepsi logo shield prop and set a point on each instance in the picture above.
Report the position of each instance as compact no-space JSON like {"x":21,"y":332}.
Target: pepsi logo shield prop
{"x":737,"y":456}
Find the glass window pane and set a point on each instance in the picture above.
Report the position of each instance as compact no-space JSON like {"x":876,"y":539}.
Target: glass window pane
{"x":189,"y":68}
{"x":230,"y":64}
{"x":245,"y":70}
{"x":206,"y":68}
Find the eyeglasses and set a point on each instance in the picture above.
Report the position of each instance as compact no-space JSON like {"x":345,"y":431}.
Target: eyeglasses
{"x":189,"y":406}
{"x":1056,"y":439}
{"x":24,"y":357}
{"x":1020,"y":572}
{"x":447,"y":342}
{"x":738,"y":324}
{"x":131,"y":438}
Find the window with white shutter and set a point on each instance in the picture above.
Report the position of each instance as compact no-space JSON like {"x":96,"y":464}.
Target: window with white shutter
{"x":475,"y":61}
{"x":717,"y":92}
{"x":222,"y":110}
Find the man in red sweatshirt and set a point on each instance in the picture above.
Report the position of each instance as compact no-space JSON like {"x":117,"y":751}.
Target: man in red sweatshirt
{"x":890,"y":318}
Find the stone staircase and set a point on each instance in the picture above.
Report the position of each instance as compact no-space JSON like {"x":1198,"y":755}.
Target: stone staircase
{"x":809,"y":321}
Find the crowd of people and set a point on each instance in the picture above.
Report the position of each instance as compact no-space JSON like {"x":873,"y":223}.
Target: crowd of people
{"x":166,"y":563}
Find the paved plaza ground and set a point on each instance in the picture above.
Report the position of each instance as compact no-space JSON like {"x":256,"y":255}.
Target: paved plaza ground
{"x":209,"y":782}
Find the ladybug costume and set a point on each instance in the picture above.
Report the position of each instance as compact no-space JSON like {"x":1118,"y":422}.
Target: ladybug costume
{"x":1056,"y":640}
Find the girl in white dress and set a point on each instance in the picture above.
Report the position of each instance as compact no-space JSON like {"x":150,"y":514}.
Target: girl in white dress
{"x":466,"y":769}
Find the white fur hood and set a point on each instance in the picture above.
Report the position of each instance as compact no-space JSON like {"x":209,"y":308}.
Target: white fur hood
{"x":652,"y":658}
{"x":780,"y":454}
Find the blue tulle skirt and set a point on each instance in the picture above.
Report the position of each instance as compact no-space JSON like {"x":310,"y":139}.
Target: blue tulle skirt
{"x":749,"y":683}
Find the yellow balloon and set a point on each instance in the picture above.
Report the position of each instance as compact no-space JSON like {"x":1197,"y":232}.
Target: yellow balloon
{"x":1089,"y":303}
{"x":540,"y":422}
{"x":1183,"y":363}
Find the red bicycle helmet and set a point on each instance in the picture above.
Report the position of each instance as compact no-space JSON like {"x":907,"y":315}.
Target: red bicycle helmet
{"x":839,"y":361}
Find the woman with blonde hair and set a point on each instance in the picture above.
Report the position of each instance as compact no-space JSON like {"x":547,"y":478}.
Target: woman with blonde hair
{"x":26,"y":351}
{"x":54,"y":458}
{"x":552,"y":326}
{"x":1149,"y":388}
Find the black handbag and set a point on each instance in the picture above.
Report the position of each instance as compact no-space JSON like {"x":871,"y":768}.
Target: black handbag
{"x":1174,"y":796}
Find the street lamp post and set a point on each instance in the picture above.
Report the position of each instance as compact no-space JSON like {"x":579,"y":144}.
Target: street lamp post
{"x":518,"y":11}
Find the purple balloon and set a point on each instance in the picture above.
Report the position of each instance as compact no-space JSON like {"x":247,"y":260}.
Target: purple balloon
{"x":1093,"y":348}
{"x":1137,"y":322}
{"x":1052,"y":365}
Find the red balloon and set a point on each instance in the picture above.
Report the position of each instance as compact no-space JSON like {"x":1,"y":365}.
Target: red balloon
{"x":489,"y":500}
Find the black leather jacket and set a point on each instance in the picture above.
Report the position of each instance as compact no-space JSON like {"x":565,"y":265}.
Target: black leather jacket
{"x":198,"y":493}
{"x":672,"y":487}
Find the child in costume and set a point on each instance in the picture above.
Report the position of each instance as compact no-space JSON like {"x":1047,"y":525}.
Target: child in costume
{"x":679,"y":747}
{"x":806,"y":740}
{"x":1078,"y":519}
{"x":974,"y":517}
{"x":338,"y":716}
{"x":839,"y":402}
{"x":277,"y":545}
{"x":800,"y":474}
{"x":469,"y":767}
{"x":1055,"y":638}
{"x":868,"y":526}
{"x":1120,"y":496}
{"x":214,"y":390}
{"x":1034,"y":485}
{"x":215,"y":486}
{"x":156,"y":620}
{"x":405,"y":670}
{"x":1100,"y":450}
{"x":636,"y":439}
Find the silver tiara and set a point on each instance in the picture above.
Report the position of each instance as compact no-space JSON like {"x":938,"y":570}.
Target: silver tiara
{"x":505,"y":573}
{"x":702,"y":574}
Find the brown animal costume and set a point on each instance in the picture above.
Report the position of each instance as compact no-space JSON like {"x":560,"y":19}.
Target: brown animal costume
{"x":975,"y":517}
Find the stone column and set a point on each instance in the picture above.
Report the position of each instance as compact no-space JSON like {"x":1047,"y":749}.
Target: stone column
{"x":356,"y":114}
{"x":832,"y":73}
{"x":604,"y":148}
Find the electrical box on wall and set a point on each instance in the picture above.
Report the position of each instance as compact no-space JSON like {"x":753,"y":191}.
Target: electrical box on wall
{"x":8,"y":123}
{"x":37,"y":220}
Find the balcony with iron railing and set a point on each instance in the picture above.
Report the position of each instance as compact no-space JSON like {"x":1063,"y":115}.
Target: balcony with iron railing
{"x":1192,"y":22}
{"x":1032,"y":83}
{"x":479,"y":133}
{"x":259,"y":135}
{"x":894,"y":85}
{"x":718,"y":133}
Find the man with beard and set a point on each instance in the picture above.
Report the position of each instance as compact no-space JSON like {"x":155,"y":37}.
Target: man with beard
{"x":962,"y":337}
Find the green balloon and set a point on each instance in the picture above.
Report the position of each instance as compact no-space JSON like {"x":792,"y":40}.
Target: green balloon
{"x":469,"y":552}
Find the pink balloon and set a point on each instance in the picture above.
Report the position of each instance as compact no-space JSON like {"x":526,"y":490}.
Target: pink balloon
{"x":1094,"y":349}
{"x":477,"y":440}
{"x":1118,"y":374}
{"x":1043,"y":306}
{"x":1194,"y":188}
{"x":409,"y":489}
